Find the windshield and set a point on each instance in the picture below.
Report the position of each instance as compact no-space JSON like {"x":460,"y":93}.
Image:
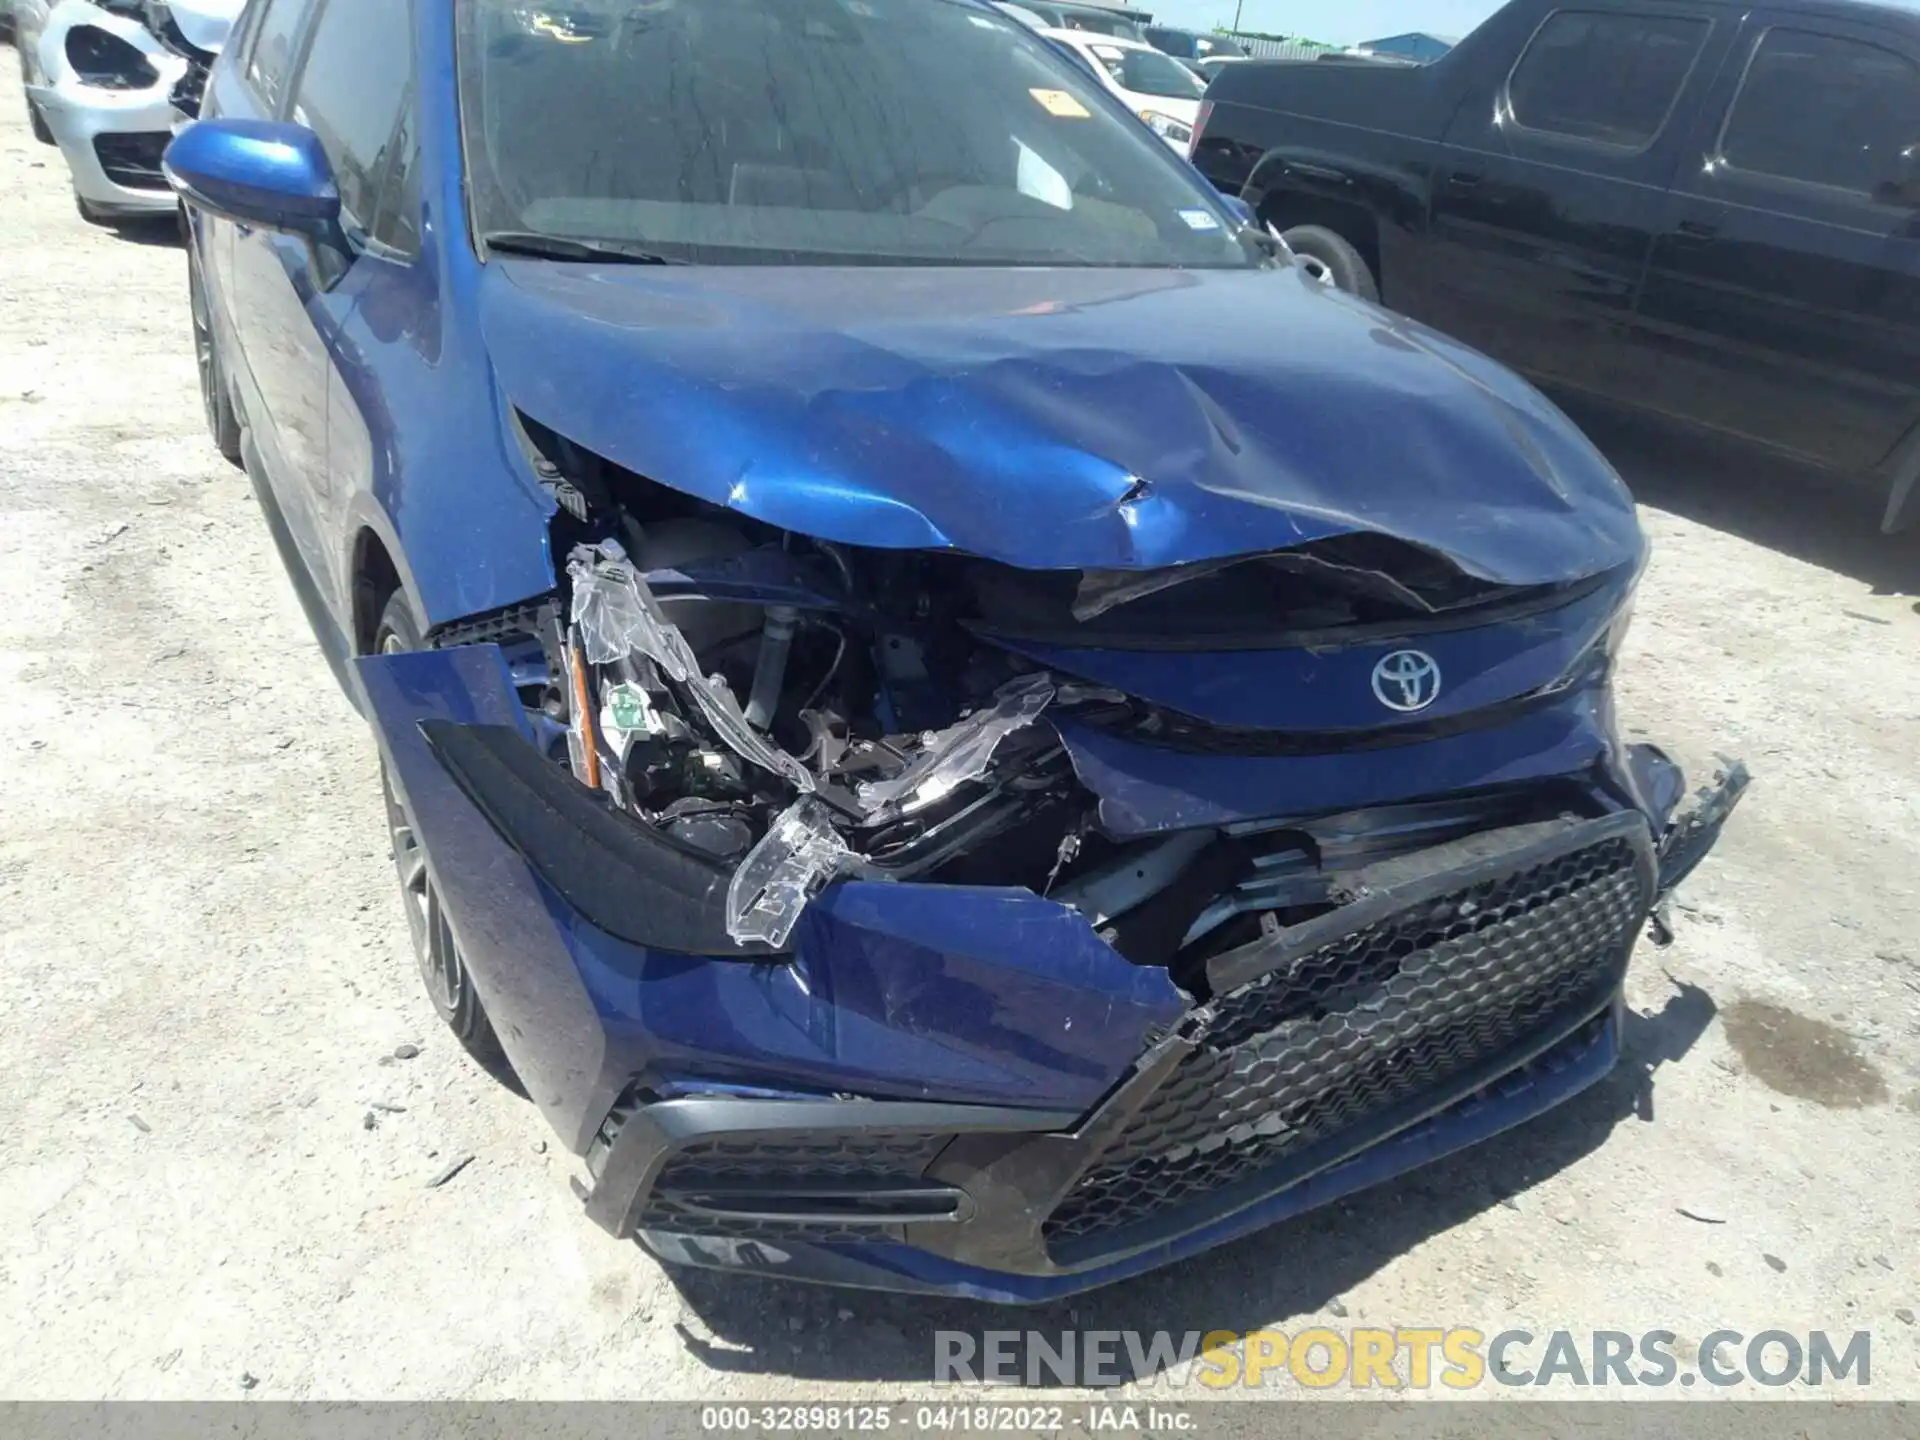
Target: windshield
{"x":815,"y":132}
{"x":1148,"y":72}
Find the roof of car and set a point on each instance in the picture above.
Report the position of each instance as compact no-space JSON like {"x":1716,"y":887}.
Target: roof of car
{"x":1854,"y":9}
{"x":1094,"y":37}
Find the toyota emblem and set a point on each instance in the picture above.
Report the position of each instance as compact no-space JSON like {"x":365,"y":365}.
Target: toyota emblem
{"x":1407,"y":680}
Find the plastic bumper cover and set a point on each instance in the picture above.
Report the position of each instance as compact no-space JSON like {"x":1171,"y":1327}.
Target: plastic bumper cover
{"x":1530,"y":1089}
{"x":1448,"y":1005}
{"x":1043,"y":1117}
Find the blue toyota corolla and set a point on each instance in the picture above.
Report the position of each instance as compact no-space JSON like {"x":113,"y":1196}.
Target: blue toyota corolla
{"x":956,"y":721}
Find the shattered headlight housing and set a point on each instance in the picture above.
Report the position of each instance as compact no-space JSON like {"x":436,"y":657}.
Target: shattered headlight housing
{"x":646,"y":713}
{"x":103,"y":59}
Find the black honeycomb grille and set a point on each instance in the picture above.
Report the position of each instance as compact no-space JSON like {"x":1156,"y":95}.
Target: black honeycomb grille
{"x":777,"y":1165}
{"x":1375,"y":1018}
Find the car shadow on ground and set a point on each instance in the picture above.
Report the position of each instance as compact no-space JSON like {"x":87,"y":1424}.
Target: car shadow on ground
{"x":1791,"y":509}
{"x":161,"y":231}
{"x":1296,"y":1268}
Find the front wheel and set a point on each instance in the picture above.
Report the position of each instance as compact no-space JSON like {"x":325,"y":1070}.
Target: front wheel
{"x":442,"y":967}
{"x":1330,"y":259}
{"x":216,"y":399}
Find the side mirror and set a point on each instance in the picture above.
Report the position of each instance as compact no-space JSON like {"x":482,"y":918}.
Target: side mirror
{"x":257,"y":172}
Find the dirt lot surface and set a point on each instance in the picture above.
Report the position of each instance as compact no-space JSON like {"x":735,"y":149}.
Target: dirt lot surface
{"x":214,"y":1173}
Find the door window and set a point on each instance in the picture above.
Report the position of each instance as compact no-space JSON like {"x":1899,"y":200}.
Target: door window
{"x":1826,"y":111}
{"x":271,"y":59}
{"x":396,"y":224}
{"x":352,"y":93}
{"x":1606,"y":78}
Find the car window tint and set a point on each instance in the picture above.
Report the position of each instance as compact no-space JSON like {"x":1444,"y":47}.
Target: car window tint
{"x":1825,"y":110}
{"x":1606,"y":78}
{"x":352,"y":87}
{"x":275,"y":35}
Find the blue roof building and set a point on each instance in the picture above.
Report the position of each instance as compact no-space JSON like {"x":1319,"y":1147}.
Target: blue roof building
{"x":1418,"y":46}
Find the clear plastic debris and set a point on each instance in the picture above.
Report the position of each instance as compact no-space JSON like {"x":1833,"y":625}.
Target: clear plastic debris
{"x":618,"y":616}
{"x":800,"y":852}
{"x":962,"y":752}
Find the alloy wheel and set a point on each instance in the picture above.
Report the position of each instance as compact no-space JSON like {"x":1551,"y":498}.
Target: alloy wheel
{"x":202,"y":344}
{"x":438,"y":954}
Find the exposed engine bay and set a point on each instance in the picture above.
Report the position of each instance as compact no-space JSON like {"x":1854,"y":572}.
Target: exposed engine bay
{"x":799,"y":711}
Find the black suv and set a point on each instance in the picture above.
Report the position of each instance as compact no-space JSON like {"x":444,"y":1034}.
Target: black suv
{"x":1708,"y":210}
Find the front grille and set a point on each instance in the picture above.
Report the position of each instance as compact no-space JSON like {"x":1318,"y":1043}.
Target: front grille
{"x":784,"y":1165}
{"x":133,"y":161}
{"x":1368,"y":1022}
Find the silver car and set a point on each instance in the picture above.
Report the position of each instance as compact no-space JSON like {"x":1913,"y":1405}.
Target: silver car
{"x":107,"y":81}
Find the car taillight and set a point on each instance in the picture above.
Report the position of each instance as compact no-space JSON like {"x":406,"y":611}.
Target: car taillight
{"x":1199,"y":128}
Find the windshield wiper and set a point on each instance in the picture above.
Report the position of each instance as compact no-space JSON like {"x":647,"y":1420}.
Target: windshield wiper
{"x":565,"y":247}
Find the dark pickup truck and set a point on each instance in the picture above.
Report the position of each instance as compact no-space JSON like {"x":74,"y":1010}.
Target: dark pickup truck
{"x":1707,"y":210}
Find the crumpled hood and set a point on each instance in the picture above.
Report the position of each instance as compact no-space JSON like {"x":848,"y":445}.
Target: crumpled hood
{"x":205,"y":23}
{"x":1052,"y":419}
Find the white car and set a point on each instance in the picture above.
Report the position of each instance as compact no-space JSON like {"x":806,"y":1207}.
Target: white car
{"x":107,"y":81}
{"x":1161,"y":90}
{"x":1018,"y":12}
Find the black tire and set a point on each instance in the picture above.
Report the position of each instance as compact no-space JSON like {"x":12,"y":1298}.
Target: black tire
{"x":37,"y":123}
{"x":437,"y":954}
{"x":1327,"y":256}
{"x":216,"y":397}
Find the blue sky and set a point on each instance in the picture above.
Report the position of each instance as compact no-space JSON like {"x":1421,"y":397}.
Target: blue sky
{"x":1339,"y":22}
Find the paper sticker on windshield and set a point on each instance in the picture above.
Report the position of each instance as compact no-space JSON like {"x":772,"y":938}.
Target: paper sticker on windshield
{"x":1059,"y":102}
{"x":1199,"y":220}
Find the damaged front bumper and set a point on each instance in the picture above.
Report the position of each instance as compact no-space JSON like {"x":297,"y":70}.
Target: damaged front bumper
{"x":970,"y":1091}
{"x":112,"y":120}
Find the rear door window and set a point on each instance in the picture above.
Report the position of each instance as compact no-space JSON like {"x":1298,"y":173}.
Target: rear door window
{"x":1824,"y":110}
{"x":1610,"y":79}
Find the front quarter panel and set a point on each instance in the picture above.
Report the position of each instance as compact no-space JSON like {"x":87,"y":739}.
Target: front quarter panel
{"x":893,"y":991}
{"x":418,"y":452}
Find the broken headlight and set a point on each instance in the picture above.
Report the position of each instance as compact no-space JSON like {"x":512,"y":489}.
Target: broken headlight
{"x":101,"y":58}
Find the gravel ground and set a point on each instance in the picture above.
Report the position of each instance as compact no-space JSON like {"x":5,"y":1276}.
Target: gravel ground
{"x":214,"y":1173}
